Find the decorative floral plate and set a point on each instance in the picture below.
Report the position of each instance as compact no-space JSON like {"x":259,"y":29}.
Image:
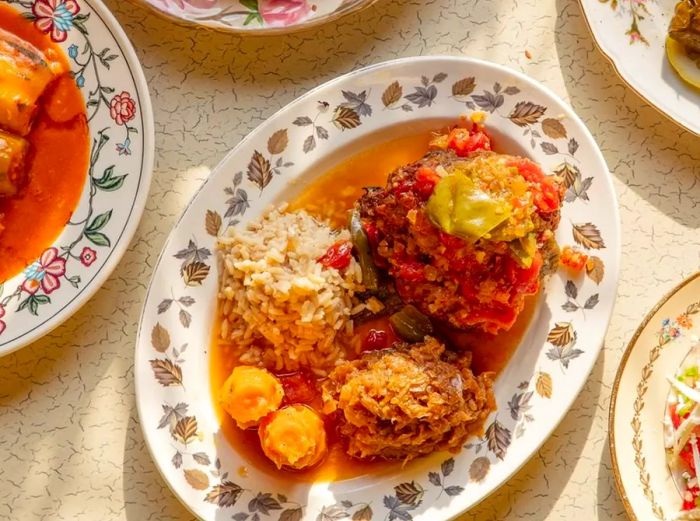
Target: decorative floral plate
{"x":638,"y":403}
{"x":310,"y":135}
{"x":257,"y":16}
{"x":108,"y":73}
{"x":632,"y":35}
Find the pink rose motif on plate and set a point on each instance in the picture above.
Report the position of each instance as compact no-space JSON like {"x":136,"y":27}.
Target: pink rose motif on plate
{"x":88,"y":256}
{"x":122,"y":108}
{"x":2,"y":314}
{"x":197,"y":4}
{"x":185,"y":5}
{"x":55,"y":17}
{"x":283,"y":12}
{"x":44,"y":273}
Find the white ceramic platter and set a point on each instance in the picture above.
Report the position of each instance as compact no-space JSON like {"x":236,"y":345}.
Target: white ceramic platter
{"x":303,"y":140}
{"x":638,"y":404}
{"x":70,"y":271}
{"x":632,"y":34}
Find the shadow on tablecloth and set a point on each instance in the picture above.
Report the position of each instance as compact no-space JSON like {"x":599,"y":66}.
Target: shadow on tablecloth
{"x":660,"y":161}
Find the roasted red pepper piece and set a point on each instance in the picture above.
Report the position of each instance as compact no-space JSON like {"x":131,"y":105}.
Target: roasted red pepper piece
{"x":411,"y":271}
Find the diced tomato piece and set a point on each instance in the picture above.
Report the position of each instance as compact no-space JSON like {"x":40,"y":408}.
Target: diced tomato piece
{"x":527,"y":280}
{"x":376,"y":334}
{"x":452,"y":243}
{"x":403,"y":186}
{"x":298,"y":388}
{"x":546,"y":193}
{"x":338,"y":256}
{"x":530,"y":170}
{"x":464,"y":141}
{"x":675,"y":419}
{"x":426,"y":179}
{"x":374,"y":237}
{"x":467,"y":289}
{"x":574,"y":259}
{"x":692,"y":504}
{"x":372,"y":233}
{"x":547,"y":198}
{"x":688,"y":505}
{"x":411,"y":271}
{"x":375,"y":339}
{"x":687,"y":455}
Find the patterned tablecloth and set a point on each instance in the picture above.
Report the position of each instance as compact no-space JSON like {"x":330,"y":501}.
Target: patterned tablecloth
{"x":70,"y":444}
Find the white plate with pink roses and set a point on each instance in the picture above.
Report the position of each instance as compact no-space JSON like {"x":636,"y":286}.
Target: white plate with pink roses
{"x":257,"y":16}
{"x":52,"y":287}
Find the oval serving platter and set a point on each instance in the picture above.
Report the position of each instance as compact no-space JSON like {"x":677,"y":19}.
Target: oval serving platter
{"x":120,"y":121}
{"x":638,"y":403}
{"x":256,"y":16}
{"x":632,"y":35}
{"x":302,"y":141}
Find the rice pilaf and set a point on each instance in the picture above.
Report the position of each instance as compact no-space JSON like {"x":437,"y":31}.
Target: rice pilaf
{"x":280,"y":307}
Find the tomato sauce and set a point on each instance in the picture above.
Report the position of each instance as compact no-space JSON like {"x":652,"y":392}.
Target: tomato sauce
{"x":57,"y":164}
{"x":330,"y":197}
{"x":334,"y":193}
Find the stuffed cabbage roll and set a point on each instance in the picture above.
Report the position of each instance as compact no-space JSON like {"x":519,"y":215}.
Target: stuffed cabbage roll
{"x":25,"y":72}
{"x":13,"y":150}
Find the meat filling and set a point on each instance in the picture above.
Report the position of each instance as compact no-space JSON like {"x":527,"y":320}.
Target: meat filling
{"x":408,"y":401}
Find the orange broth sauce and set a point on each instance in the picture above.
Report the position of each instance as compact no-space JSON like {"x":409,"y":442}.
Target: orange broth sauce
{"x":330,"y":197}
{"x":336,"y":466}
{"x":57,"y":163}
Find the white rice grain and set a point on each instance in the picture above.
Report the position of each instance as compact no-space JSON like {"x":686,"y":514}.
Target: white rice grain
{"x":280,"y":307}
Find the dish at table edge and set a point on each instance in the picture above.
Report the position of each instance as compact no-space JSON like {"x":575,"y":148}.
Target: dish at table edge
{"x":681,"y":422}
{"x":76,"y":157}
{"x":275,"y":163}
{"x":675,"y":43}
{"x":652,"y":458}
{"x":41,"y":109}
{"x":255,"y":17}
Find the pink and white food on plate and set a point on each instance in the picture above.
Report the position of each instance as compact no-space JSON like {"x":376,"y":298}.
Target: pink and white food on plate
{"x":682,"y":433}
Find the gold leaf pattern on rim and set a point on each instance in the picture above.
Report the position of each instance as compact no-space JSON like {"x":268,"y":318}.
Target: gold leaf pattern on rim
{"x":588,"y":236}
{"x":392,"y":94}
{"x":464,"y":87}
{"x":595,"y":269}
{"x":166,"y":372}
{"x":160,"y":338}
{"x":479,"y":468}
{"x":278,"y":142}
{"x":197,"y":479}
{"x":185,"y":429}
{"x":553,"y":128}
{"x":526,"y":113}
{"x":543,"y":386}
{"x":561,"y":334}
{"x":212,"y":223}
